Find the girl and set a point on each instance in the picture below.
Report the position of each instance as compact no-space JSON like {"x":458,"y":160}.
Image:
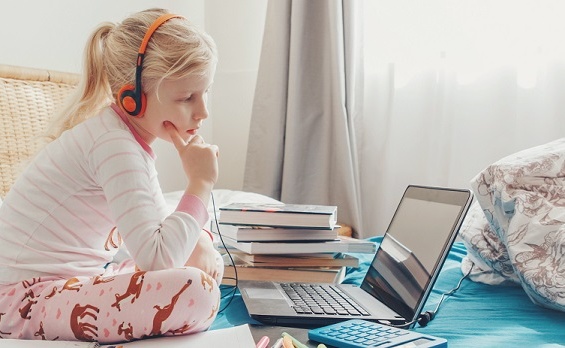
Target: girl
{"x":94,"y":187}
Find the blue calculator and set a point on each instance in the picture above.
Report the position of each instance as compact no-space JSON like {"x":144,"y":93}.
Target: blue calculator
{"x":357,"y":333}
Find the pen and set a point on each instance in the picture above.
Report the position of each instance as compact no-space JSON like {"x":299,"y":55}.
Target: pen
{"x":295,"y":343}
{"x":278,"y":343}
{"x":263,"y":342}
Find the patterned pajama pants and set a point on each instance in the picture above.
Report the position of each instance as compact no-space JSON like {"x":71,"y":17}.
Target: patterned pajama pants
{"x":121,"y":305}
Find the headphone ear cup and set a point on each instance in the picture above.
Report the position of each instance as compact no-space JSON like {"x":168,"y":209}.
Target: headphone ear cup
{"x":131,"y":102}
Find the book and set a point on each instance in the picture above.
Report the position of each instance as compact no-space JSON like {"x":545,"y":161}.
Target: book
{"x":264,"y":233}
{"x":246,"y":271}
{"x":342,"y":244}
{"x":279,"y":215}
{"x":299,"y":260}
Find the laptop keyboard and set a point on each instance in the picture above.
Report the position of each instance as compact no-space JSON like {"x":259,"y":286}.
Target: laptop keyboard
{"x":321,"y":299}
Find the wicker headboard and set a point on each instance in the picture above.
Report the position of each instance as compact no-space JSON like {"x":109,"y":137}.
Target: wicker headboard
{"x":28,"y":98}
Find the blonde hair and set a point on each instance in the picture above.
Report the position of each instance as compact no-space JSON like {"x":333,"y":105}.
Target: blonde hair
{"x":175,"y":50}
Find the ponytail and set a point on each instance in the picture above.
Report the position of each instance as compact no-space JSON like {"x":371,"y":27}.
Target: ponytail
{"x":93,"y":93}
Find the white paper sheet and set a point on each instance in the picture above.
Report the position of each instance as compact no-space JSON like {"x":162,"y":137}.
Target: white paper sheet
{"x":234,"y":337}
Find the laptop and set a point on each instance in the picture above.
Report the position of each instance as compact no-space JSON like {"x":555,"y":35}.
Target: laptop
{"x":398,"y":280}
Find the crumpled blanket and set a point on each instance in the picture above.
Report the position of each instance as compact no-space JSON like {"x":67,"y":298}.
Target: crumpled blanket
{"x":515,"y":230}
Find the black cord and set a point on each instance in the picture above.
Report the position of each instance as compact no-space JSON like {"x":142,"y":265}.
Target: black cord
{"x":234,"y":289}
{"x":452,"y":291}
{"x":424,"y":318}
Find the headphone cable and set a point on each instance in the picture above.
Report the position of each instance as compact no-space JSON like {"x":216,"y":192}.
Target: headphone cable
{"x":232,"y":291}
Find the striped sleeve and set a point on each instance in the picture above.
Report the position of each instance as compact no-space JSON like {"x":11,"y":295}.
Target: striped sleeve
{"x":128,"y":178}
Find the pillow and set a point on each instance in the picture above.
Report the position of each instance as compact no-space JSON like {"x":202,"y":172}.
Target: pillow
{"x":518,"y":234}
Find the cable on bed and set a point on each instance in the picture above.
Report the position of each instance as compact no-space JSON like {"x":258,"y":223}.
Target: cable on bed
{"x":424,"y":318}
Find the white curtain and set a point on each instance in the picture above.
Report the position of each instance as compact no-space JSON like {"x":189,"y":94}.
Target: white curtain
{"x":302,"y":137}
{"x":452,"y":86}
{"x":448,"y":87}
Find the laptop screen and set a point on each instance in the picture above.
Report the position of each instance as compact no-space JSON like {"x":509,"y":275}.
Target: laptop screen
{"x":415,"y":244}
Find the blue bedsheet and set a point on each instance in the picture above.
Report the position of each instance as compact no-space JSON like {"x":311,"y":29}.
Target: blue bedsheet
{"x":477,"y":315}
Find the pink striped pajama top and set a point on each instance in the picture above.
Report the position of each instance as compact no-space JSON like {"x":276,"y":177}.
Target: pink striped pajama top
{"x":59,"y":217}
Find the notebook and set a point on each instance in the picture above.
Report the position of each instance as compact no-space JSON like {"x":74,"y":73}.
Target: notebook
{"x":398,"y":281}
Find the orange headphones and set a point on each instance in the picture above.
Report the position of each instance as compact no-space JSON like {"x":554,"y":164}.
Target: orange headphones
{"x":131,"y":98}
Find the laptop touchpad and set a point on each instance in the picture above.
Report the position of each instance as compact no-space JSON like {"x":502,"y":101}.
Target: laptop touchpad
{"x":265,"y":294}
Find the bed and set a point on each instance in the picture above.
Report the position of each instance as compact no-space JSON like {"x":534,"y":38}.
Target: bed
{"x":477,"y":315}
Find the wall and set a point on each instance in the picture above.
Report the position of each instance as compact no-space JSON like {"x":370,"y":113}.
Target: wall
{"x":52,"y":34}
{"x":237,"y":26}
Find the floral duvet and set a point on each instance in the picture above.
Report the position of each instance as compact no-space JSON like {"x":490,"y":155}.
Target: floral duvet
{"x":515,"y":231}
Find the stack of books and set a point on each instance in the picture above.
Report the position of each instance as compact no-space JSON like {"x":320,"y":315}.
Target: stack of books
{"x":286,"y":242}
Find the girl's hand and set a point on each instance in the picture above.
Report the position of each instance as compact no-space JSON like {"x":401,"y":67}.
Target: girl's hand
{"x":203,"y":256}
{"x":200,"y":162}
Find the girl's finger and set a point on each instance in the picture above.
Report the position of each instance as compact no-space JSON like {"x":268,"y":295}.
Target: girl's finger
{"x":215,"y":149}
{"x":177,"y":140}
{"x":196,"y":139}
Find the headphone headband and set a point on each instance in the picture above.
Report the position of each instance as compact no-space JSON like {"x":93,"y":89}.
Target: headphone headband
{"x":130,"y":97}
{"x":158,"y":22}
